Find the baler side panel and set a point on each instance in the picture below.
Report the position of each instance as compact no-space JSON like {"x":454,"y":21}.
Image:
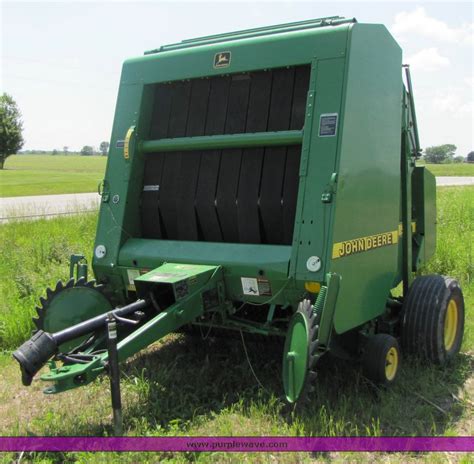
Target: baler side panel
{"x":313,"y":217}
{"x":365,"y":229}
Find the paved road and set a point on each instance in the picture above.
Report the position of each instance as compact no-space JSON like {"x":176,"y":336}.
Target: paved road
{"x":34,"y":207}
{"x":445,"y":181}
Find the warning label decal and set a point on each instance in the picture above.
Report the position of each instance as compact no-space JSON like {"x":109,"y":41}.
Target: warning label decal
{"x":250,"y":286}
{"x":256,"y":287}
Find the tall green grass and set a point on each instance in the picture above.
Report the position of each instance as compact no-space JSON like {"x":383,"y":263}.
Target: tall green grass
{"x":35,"y":255}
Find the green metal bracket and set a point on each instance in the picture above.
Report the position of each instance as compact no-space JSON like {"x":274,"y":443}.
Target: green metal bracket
{"x":81,"y":267}
{"x":328,"y":194}
{"x":103,"y":190}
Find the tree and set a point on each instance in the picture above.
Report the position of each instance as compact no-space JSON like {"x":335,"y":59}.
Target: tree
{"x":470,"y":157}
{"x":440,"y":154}
{"x":65,"y":150}
{"x":11,"y":128}
{"x":87,"y":150}
{"x":104,"y":148}
{"x":54,"y":152}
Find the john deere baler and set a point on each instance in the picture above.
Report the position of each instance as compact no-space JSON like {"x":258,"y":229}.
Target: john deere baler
{"x":261,"y":181}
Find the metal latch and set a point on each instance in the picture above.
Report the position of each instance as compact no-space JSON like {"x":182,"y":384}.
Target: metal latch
{"x":103,"y":190}
{"x":327,"y":195}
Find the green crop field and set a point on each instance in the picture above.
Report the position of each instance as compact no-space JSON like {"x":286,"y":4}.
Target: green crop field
{"x":451,"y":169}
{"x":46,"y":175}
{"x":185,"y":385}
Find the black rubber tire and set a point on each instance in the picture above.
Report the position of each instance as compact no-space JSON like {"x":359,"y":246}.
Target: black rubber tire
{"x":375,"y":359}
{"x":423,"y":318}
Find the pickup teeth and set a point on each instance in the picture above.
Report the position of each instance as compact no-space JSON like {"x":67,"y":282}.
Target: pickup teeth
{"x":43,"y":302}
{"x":40,"y":312}
{"x":49,"y":293}
{"x":81,"y":282}
{"x":311,"y":376}
{"x":59,"y":286}
{"x":70,"y":283}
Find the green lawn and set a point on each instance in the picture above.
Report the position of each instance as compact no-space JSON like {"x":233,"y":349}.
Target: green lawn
{"x":452,"y":169}
{"x":187,"y":386}
{"x":46,"y":174}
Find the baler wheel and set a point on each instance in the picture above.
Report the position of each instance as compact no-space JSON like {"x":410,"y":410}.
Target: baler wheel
{"x":433,"y":318}
{"x":381,"y":360}
{"x":300,"y":354}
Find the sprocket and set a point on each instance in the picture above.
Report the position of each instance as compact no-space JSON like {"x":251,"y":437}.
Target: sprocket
{"x":69,"y":304}
{"x":300,"y":354}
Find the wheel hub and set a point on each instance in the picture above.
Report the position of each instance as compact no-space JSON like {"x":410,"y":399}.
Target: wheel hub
{"x":450,"y":324}
{"x":391,"y":363}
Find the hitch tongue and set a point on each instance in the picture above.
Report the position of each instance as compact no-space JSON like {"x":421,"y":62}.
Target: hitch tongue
{"x":34,"y":353}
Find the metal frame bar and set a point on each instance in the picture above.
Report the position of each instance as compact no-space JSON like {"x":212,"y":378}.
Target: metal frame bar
{"x":218,"y":142}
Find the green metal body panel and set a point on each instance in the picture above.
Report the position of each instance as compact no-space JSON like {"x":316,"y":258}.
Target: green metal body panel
{"x":424,"y":213}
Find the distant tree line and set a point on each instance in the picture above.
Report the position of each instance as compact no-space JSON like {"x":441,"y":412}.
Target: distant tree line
{"x":442,"y":154}
{"x":86,"y":150}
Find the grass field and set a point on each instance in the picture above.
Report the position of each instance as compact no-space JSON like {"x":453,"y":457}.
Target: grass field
{"x":46,"y":175}
{"x":453,"y":169}
{"x":187,"y":386}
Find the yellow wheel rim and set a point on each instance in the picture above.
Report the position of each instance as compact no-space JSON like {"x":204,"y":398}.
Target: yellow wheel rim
{"x":391,"y":363}
{"x":450,"y":325}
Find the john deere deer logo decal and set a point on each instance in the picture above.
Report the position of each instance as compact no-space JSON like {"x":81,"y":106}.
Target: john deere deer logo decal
{"x":222,"y":60}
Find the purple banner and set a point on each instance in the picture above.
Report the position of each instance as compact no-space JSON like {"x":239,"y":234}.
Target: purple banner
{"x":237,"y":444}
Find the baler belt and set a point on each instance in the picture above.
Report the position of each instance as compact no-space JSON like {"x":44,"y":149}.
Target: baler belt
{"x":231,"y":195}
{"x":228,"y":182}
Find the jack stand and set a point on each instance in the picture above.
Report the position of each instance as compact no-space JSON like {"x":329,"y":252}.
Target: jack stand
{"x":114,"y":374}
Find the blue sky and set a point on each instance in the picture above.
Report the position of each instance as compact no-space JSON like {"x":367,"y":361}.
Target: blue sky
{"x":61,"y":60}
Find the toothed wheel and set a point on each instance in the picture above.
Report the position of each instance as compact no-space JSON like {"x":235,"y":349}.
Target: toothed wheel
{"x":300,"y":354}
{"x":69,"y":304}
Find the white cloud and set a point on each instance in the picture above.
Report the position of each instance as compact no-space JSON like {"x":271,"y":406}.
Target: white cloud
{"x":453,"y":100}
{"x":428,"y":59}
{"x":418,"y":22}
{"x":469,"y":81}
